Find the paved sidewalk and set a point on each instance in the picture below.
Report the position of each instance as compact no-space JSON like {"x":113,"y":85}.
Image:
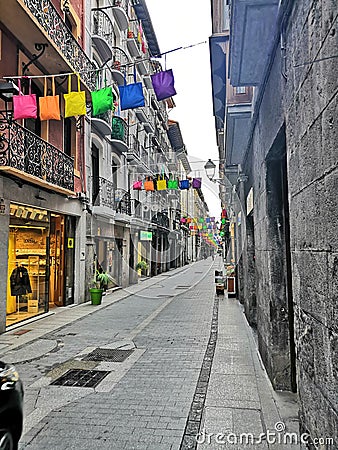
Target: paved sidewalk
{"x":241,"y":405}
{"x":194,"y":367}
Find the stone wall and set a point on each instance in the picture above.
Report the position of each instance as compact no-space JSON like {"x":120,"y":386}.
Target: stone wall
{"x":268,"y":149}
{"x":310,"y":104}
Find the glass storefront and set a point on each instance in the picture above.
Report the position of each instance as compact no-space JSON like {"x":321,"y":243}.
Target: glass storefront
{"x":40,"y":262}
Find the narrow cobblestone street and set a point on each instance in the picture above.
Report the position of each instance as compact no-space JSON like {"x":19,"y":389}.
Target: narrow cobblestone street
{"x":193,"y":367}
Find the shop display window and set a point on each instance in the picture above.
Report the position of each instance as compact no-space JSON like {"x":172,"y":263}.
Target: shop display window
{"x":27,"y":290}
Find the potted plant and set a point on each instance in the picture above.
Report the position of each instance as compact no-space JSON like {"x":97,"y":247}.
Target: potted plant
{"x":95,"y":292}
{"x":98,"y":285}
{"x":117,"y":65}
{"x":142,"y":266}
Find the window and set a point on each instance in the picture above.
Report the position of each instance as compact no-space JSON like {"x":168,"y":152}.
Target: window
{"x":69,"y":139}
{"x":240,"y":90}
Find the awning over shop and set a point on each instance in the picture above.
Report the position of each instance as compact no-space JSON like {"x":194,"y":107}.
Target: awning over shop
{"x":217,"y":46}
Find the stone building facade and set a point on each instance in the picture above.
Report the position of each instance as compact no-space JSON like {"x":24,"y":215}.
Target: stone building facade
{"x":287,"y":182}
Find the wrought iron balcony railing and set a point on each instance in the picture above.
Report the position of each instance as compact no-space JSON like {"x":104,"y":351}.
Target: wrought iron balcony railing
{"x":102,"y":26}
{"x":53,"y":25}
{"x":123,"y":201}
{"x":26,"y":152}
{"x":120,"y":59}
{"x":118,"y":200}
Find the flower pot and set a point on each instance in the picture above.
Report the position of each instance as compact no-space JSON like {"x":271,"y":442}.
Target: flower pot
{"x":96,"y":296}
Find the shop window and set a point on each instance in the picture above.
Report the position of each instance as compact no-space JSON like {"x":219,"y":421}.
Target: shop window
{"x":27,"y":290}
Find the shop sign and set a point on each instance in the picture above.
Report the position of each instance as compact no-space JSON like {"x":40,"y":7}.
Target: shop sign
{"x":146,"y":235}
{"x":70,"y":243}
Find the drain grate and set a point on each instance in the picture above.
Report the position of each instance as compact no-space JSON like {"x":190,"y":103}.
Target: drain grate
{"x":81,"y":378}
{"x":108,"y":354}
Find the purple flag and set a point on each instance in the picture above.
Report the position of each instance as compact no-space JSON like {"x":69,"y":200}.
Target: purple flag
{"x":163,"y":84}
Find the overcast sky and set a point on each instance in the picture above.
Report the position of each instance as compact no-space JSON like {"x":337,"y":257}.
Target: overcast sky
{"x":180,"y":23}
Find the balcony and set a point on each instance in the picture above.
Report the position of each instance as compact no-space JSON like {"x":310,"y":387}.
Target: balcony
{"x":32,"y":23}
{"x":253,"y":23}
{"x":172,"y":162}
{"x":142,"y":64}
{"x":102,"y":34}
{"x":102,"y":123}
{"x":134,"y":152}
{"x":141,"y":115}
{"x":111,"y":199}
{"x":119,"y":64}
{"x":133,"y":45}
{"x":28,"y":157}
{"x":119,"y":134}
{"x":120,"y":12}
{"x":146,"y":117}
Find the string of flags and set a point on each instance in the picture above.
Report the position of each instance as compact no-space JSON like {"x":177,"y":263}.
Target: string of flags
{"x":26,"y":106}
{"x":103,"y":100}
{"x":161,"y":184}
{"x":206,"y":228}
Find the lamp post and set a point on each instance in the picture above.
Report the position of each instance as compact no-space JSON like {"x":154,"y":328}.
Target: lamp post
{"x":210,"y":168}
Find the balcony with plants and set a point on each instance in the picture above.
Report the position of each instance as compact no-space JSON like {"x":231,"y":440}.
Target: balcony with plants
{"x":32,"y":22}
{"x":133,"y":44}
{"x":120,"y":134}
{"x":119,"y":65}
{"x":26,"y":156}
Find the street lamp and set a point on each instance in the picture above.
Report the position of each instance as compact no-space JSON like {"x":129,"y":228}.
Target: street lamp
{"x":7,"y":90}
{"x":210,"y":168}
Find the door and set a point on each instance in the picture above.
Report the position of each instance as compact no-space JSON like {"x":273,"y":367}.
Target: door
{"x":56,"y":261}
{"x":69,"y":259}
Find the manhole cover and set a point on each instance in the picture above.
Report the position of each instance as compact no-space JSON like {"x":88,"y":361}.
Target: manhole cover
{"x":81,"y":378}
{"x":108,"y":354}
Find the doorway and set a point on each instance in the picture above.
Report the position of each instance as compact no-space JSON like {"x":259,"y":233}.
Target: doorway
{"x":61,"y":260}
{"x":279,"y":234}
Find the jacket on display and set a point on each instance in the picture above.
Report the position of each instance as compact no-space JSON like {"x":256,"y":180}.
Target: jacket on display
{"x":19,"y":280}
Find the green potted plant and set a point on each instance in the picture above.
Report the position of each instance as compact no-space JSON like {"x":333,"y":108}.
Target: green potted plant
{"x":95,"y":292}
{"x":97,"y":286}
{"x":143,"y":266}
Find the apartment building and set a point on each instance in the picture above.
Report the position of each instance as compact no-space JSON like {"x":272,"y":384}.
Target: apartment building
{"x":67,"y":187}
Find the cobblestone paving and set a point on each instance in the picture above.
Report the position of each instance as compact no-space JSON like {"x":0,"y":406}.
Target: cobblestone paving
{"x":149,"y":406}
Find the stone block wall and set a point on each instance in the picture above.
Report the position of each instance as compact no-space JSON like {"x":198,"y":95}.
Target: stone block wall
{"x":269,"y":241}
{"x":310,"y":104}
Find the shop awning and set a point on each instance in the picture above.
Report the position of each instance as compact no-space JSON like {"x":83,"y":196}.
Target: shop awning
{"x":217,"y":46}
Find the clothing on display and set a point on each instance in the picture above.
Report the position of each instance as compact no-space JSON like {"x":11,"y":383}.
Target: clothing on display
{"x":19,"y":280}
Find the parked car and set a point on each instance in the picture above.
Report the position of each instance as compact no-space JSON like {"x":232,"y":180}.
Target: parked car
{"x":11,"y":407}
